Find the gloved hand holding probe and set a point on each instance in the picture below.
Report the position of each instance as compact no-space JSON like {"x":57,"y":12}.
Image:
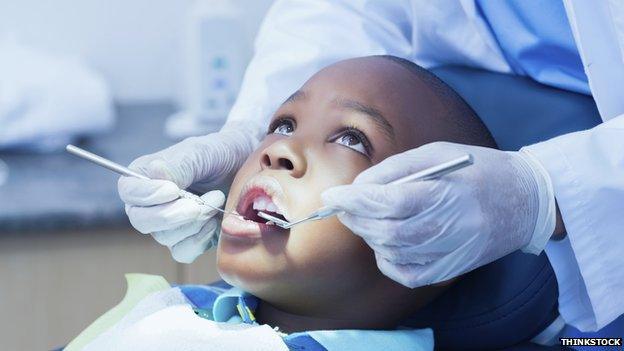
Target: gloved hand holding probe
{"x":431,"y":231}
{"x":206,"y":162}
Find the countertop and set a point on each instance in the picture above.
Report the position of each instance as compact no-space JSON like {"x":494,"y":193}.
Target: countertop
{"x":59,"y":191}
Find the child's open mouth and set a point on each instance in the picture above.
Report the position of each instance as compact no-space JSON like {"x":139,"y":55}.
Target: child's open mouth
{"x":260,"y":194}
{"x":264,"y":203}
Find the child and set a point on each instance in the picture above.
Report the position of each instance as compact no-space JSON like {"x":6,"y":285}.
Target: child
{"x":318,"y":283}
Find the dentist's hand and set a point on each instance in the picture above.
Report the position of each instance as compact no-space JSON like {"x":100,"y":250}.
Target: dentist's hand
{"x":207,"y":162}
{"x":431,"y":231}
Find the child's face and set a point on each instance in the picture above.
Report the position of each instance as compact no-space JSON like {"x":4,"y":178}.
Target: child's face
{"x":345,"y":119}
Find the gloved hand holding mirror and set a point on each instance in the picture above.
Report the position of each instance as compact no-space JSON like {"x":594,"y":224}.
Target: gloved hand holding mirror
{"x":155,"y":207}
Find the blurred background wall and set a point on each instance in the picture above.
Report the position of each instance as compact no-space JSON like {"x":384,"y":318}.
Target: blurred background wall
{"x":137,"y":45}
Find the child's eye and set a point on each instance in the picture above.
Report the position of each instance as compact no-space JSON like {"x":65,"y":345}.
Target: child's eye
{"x":283,"y":127}
{"x":356,"y":140}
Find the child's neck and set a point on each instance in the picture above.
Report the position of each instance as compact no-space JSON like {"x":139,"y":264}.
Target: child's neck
{"x":291,"y":323}
{"x":364,"y":311}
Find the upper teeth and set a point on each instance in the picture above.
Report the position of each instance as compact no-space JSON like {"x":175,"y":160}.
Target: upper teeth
{"x":264,"y":203}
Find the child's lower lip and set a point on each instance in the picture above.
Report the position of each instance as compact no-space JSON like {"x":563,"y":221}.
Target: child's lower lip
{"x":239,"y":227}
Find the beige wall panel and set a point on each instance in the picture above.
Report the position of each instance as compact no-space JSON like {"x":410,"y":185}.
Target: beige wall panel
{"x":52,"y":285}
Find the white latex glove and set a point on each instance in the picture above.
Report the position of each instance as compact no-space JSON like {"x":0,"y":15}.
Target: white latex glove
{"x":206,"y":162}
{"x":431,"y":231}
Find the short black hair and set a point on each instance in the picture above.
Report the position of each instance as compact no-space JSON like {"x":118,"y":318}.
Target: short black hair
{"x":470,"y":128}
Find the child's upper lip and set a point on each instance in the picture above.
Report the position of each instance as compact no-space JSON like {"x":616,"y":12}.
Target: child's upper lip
{"x":258,"y":186}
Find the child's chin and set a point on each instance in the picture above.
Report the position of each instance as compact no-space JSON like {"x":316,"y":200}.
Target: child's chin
{"x":232,"y":278}
{"x":246,"y":279}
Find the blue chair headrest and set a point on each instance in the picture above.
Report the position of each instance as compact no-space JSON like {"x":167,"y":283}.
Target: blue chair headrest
{"x":511,"y":300}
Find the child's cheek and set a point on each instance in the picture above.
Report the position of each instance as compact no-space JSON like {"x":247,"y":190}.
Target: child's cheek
{"x":326,"y":249}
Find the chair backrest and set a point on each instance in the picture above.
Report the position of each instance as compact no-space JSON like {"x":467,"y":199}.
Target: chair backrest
{"x":511,"y":300}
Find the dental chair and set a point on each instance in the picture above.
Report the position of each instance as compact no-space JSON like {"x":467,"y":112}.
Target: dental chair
{"x":505,"y":304}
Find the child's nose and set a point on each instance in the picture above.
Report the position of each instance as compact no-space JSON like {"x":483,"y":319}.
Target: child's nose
{"x":282,"y":156}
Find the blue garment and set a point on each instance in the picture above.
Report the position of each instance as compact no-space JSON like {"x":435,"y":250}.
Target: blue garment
{"x":229,"y":306}
{"x":537,"y":41}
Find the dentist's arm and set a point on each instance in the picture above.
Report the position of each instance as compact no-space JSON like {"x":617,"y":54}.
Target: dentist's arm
{"x":435,"y":230}
{"x":297,"y":39}
{"x":587,"y":172}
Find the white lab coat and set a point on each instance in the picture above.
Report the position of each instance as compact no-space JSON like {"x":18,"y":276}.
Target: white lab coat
{"x":300,"y":37}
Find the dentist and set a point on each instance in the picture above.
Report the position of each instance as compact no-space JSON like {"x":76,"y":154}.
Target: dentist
{"x":570,"y":187}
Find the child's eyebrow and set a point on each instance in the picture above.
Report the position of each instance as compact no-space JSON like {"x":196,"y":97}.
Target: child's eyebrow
{"x":374,"y":114}
{"x":297,"y":95}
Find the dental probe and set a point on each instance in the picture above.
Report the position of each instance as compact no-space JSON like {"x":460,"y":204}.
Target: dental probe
{"x":117,"y":168}
{"x":426,"y":174}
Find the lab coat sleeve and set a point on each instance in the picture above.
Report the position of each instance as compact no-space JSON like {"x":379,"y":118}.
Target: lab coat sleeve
{"x":298,"y":38}
{"x":587,"y":171}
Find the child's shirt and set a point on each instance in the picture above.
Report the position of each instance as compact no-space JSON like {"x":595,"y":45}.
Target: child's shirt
{"x":222,"y":303}
{"x":155,"y":316}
